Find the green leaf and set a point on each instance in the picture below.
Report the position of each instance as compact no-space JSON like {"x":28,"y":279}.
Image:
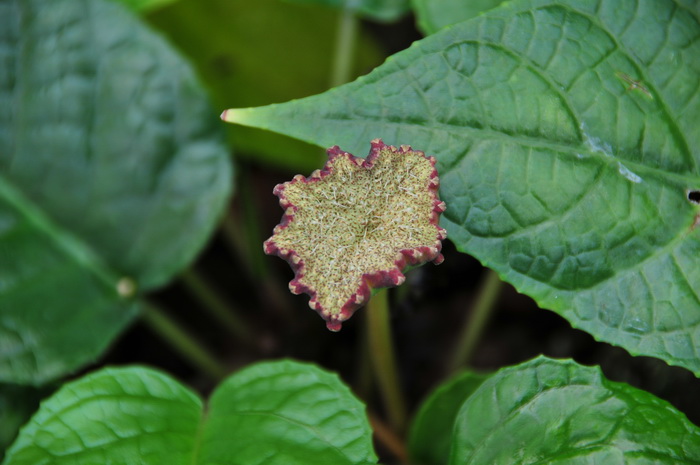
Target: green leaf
{"x":558,"y":172}
{"x":113,"y":172}
{"x":430,"y":437}
{"x":275,"y":413}
{"x":559,"y":412}
{"x":433,"y":15}
{"x":379,"y":10}
{"x":255,"y":52}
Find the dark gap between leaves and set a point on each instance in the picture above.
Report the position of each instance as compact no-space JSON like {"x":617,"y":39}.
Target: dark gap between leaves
{"x":694,"y":196}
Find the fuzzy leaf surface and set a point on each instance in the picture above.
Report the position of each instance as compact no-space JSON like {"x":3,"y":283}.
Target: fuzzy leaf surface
{"x":559,"y":412}
{"x":430,"y":437}
{"x":112,"y":166}
{"x":567,"y":142}
{"x":433,"y":15}
{"x":274,"y":413}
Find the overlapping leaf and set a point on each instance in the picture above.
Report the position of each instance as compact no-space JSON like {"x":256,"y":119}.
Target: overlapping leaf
{"x":559,"y":412}
{"x":273,"y":413}
{"x":567,"y":140}
{"x":113,"y":172}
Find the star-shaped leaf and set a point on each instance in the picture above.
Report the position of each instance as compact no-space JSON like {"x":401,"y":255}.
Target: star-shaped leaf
{"x":357,"y":224}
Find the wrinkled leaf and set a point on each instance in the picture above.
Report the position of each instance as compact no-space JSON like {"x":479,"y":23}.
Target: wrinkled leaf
{"x":380,"y":10}
{"x":433,"y":15}
{"x":273,"y":413}
{"x":253,"y":52}
{"x":112,"y":175}
{"x":431,"y":431}
{"x":567,"y":142}
{"x":559,"y":412}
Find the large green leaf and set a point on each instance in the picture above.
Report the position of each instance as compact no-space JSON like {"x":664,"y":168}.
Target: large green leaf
{"x":430,"y":437}
{"x":113,"y":172}
{"x":433,"y":15}
{"x":559,"y":412}
{"x":274,"y":413}
{"x":381,"y":10}
{"x":253,"y":52}
{"x":567,"y":140}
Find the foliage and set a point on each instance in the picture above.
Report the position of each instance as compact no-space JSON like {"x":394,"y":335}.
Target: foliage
{"x":569,"y":183}
{"x":116,"y":414}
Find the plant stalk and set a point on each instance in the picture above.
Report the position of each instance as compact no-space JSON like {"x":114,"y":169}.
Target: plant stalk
{"x":215,"y":305}
{"x":384,"y":359}
{"x":345,"y":39}
{"x":489,"y":290}
{"x":182,"y":342}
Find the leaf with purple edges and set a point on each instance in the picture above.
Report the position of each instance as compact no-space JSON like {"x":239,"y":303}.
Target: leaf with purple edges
{"x":356,"y":225}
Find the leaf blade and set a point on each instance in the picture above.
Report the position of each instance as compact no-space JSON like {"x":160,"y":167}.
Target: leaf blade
{"x":585,"y":416}
{"x":569,"y":183}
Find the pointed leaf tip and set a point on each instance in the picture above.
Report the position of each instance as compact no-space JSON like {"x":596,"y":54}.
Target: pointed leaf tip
{"x":356,"y":224}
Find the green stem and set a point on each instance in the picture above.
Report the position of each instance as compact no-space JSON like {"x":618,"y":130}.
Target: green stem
{"x":489,"y":290}
{"x":384,"y":360}
{"x":215,"y":305}
{"x":182,"y":342}
{"x":344,"y":47}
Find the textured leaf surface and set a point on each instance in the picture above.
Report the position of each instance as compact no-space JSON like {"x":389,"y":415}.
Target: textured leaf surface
{"x":240,"y":47}
{"x":112,"y":166}
{"x":432,"y":15}
{"x":273,"y":413}
{"x":381,"y":10}
{"x":567,"y":141}
{"x":559,"y":412}
{"x":431,"y":431}
{"x":286,"y":413}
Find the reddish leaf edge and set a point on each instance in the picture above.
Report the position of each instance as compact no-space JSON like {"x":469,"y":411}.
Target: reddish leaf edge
{"x":406,"y":258}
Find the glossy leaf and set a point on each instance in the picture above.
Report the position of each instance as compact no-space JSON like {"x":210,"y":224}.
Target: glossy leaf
{"x":431,"y":431}
{"x":380,"y":10}
{"x":433,"y":15}
{"x":253,"y":52}
{"x":559,"y":412}
{"x":113,"y":173}
{"x":567,"y":143}
{"x":274,"y":413}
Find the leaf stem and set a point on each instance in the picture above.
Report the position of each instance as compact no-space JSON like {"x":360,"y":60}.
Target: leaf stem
{"x":489,"y":290}
{"x":388,"y":438}
{"x":346,"y":33}
{"x":181,"y":341}
{"x":384,"y":359}
{"x":212,"y":302}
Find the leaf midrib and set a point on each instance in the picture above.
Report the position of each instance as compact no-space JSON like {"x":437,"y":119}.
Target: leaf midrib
{"x":67,"y":242}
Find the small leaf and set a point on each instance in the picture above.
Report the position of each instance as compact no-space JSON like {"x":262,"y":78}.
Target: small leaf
{"x":549,"y":411}
{"x":433,"y":15}
{"x":356,"y":224}
{"x":113,"y":173}
{"x":431,"y":431}
{"x":572,"y":186}
{"x":274,"y":413}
